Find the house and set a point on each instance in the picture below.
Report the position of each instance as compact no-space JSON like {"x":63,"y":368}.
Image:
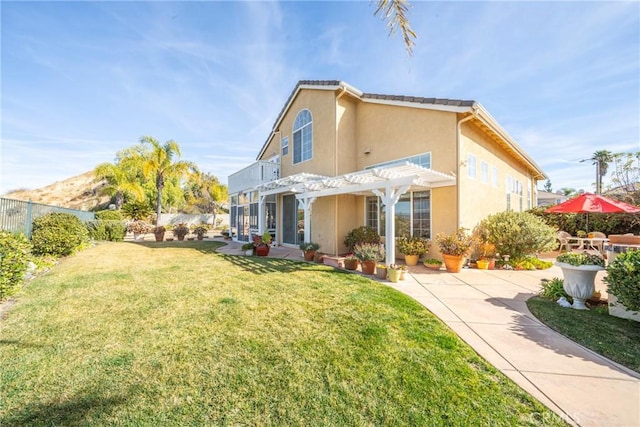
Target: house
{"x":338,"y":158}
{"x":546,"y":198}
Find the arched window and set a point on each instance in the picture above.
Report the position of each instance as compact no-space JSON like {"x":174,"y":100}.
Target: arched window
{"x":302,"y":137}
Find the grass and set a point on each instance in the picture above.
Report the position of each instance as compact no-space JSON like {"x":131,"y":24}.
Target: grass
{"x":174,"y":334}
{"x":615,"y":338}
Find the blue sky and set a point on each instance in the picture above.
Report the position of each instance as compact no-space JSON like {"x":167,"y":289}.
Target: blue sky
{"x":83,"y":80}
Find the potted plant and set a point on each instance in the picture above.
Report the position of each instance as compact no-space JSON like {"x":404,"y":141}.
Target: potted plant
{"x":393,"y":272}
{"x":351,"y":262}
{"x":623,"y":280}
{"x":262,"y":243}
{"x":413,"y":248}
{"x":432,"y":263}
{"x":158,"y":232}
{"x":369,"y":254}
{"x":487,"y":253}
{"x":309,"y":250}
{"x":139,"y":228}
{"x":180,"y":231}
{"x":362,"y":234}
{"x":200,"y":231}
{"x":248,"y":248}
{"x":381,"y":271}
{"x":454,"y":247}
{"x":579,"y":271}
{"x":226,"y":234}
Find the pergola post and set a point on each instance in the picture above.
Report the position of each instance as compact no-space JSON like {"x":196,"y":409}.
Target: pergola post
{"x":305,"y":203}
{"x":261,"y":214}
{"x":389,"y":198}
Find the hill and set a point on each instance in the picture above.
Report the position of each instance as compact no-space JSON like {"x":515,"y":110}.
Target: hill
{"x":78,"y":192}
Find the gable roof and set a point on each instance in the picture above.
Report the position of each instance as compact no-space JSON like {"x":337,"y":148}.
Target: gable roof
{"x":481,"y":115}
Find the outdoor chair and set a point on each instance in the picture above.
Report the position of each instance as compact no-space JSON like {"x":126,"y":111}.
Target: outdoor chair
{"x":567,"y":241}
{"x":599,"y":245}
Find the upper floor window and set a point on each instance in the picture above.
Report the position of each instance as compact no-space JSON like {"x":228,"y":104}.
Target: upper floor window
{"x":302,"y":137}
{"x":285,"y":146}
{"x":423,"y":160}
{"x":484,"y":171}
{"x":471,"y":166}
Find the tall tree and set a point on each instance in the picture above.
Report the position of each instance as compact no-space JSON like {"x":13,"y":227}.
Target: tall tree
{"x":161,"y":163}
{"x":601,"y":160}
{"x":394,"y":13}
{"x":626,"y":177}
{"x":121,"y":181}
{"x":547,"y":186}
{"x":205,"y":192}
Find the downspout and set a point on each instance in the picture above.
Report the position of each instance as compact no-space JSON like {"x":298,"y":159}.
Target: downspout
{"x":474,"y":112}
{"x":335,"y":173}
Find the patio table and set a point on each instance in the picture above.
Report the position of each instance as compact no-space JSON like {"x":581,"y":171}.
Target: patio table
{"x":591,"y":243}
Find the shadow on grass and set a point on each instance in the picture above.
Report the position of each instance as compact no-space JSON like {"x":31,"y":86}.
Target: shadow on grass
{"x":261,"y":265}
{"x":70,"y":412}
{"x":547,"y":337}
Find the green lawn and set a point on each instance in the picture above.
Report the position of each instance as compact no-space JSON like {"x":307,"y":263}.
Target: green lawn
{"x":615,"y":338}
{"x":160,"y":334}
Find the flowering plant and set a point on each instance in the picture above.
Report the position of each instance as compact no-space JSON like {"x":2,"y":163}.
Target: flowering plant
{"x":577,"y":259}
{"x":369,"y":251}
{"x":181,"y":230}
{"x":458,"y":243}
{"x":412,"y":245}
{"x":139,"y":227}
{"x":200,"y":230}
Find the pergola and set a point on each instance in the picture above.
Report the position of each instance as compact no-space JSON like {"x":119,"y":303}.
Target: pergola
{"x":387,"y":182}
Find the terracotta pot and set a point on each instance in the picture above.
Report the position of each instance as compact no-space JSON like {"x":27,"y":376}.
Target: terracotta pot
{"x":453,"y":263}
{"x":159,"y":236}
{"x":180,"y":237}
{"x":200,"y":236}
{"x":492,"y":264}
{"x":308,"y":255}
{"x":411,"y":260}
{"x":433,"y":266}
{"x":350,"y":264}
{"x":368,"y":267}
{"x":262,"y":250}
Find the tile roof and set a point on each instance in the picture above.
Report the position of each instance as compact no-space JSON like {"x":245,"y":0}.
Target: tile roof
{"x":395,"y":98}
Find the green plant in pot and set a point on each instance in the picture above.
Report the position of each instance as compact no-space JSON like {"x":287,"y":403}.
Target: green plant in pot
{"x":262,"y":243}
{"x":180,"y":231}
{"x":579,"y":271}
{"x":623,"y":280}
{"x":432,"y":263}
{"x":454,"y":247}
{"x":362,"y":234}
{"x":200,"y":231}
{"x":369,"y":254}
{"x":158,"y":232}
{"x":394,"y":271}
{"x":248,"y":248}
{"x":413,"y":248}
{"x":309,"y":250}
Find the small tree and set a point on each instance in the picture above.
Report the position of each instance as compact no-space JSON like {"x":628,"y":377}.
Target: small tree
{"x":517,"y":234}
{"x":58,"y":234}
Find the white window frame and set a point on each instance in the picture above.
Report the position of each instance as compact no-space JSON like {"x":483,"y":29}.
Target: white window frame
{"x":284,"y":144}
{"x":472,"y":167}
{"x":301,"y":129}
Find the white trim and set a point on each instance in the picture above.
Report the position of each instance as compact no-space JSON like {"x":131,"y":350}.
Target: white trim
{"x":418,"y":105}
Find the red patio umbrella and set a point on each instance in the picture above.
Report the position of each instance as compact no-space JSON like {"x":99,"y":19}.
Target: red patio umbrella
{"x":593,"y":203}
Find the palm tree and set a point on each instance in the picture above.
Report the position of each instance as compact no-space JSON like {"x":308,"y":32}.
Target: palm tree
{"x":159,"y":164}
{"x":601,"y":159}
{"x":121,"y":180}
{"x":205,"y":192}
{"x":394,"y":12}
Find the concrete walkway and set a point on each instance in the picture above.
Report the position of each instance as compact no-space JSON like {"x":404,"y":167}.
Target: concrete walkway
{"x":487,"y":310}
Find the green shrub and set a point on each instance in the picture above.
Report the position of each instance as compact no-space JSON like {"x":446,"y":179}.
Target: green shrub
{"x":15,"y":256}
{"x":623,"y":278}
{"x":107,"y":230}
{"x":413,"y":245}
{"x":553,"y":289}
{"x":110,"y":215}
{"x":362,"y":234}
{"x":517,"y":234}
{"x":577,"y":259}
{"x":58,"y":234}
{"x":138,"y":211}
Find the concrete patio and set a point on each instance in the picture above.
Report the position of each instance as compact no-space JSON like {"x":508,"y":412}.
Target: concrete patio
{"x":487,"y":310}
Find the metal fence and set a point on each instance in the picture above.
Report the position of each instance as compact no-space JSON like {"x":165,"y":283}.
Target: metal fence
{"x":17,"y":216}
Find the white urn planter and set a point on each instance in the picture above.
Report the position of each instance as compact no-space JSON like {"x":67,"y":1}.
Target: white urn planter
{"x":579,"y":282}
